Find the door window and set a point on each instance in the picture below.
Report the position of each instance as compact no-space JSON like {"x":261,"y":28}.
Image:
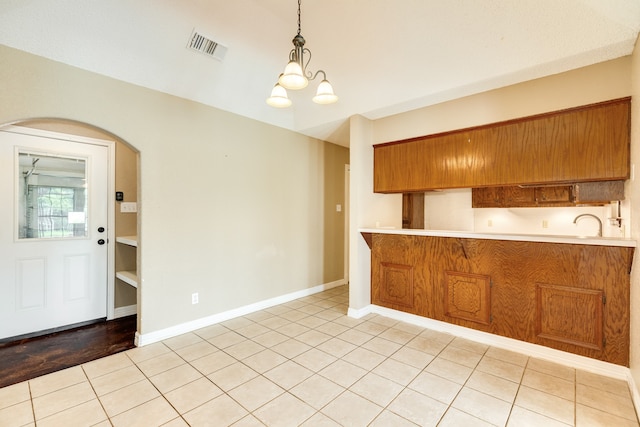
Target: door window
{"x":52,"y":197}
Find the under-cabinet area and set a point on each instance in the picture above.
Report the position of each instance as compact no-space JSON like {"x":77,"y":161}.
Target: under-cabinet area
{"x":564,"y":295}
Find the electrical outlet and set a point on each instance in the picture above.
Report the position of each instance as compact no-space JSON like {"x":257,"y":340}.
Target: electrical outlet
{"x":545,"y":223}
{"x":490,"y":223}
{"x":194,"y":298}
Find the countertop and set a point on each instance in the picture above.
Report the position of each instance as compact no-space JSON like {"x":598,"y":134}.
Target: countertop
{"x":573,"y":240}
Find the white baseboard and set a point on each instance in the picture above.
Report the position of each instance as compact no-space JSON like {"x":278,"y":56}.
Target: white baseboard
{"x":128,"y":310}
{"x":183,"y":328}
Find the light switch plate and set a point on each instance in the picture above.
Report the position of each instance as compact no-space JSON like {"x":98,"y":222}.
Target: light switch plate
{"x":128,"y":207}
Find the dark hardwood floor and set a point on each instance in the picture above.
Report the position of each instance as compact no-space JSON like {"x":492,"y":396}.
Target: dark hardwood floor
{"x":32,"y":357}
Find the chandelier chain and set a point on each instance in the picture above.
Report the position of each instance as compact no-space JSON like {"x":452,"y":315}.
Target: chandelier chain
{"x":299,"y":16}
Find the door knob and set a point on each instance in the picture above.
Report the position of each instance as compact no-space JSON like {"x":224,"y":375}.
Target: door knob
{"x":100,"y":229}
{"x":101,"y":242}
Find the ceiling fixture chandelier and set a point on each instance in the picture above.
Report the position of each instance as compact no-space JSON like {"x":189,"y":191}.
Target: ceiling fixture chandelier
{"x":296,"y":76}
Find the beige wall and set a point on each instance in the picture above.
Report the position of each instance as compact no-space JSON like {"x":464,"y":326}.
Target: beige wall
{"x":229,"y":207}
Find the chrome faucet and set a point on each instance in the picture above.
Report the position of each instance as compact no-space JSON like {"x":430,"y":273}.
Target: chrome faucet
{"x":575,"y":221}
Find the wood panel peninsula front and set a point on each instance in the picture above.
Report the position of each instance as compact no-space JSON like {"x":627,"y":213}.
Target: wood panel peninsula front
{"x":566,"y":293}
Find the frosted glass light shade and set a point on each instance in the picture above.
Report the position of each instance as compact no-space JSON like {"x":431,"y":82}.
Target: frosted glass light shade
{"x":324,"y":94}
{"x":293,"y":78}
{"x":279,"y":97}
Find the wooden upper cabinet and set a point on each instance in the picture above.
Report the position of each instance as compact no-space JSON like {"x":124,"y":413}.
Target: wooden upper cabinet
{"x":589,"y":143}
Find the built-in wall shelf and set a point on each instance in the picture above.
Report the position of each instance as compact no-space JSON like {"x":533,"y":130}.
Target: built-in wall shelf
{"x":128,"y":240}
{"x":129,"y":277}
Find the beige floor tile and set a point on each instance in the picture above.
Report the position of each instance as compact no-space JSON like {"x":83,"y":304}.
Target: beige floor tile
{"x":237,"y":323}
{"x":221,"y":411}
{"x":253,"y":330}
{"x":546,"y":404}
{"x":212,"y":362}
{"x":155,"y":412}
{"x":18,"y":414}
{"x":320,"y":420}
{"x":183,"y":340}
{"x":128,"y":397}
{"x":14,"y":394}
{"x":397,"y":336}
{"x":450,"y":370}
{"x":461,"y":356}
{"x":160,"y":364}
{"x":317,"y":391}
{"x":255,"y":393}
{"x":312,"y":322}
{"x":507,"y":356}
{"x":438,"y":388}
{"x":550,"y":368}
{"x":284,"y":411}
{"x":493,"y":386}
{"x":349,"y":322}
{"x":381,"y":320}
{"x":354,"y":337}
{"x":196,"y":351}
{"x":549,"y":384}
{"x":275,"y":323}
{"x":243,"y":349}
{"x":343,"y":373}
{"x":457,"y":418}
{"x":140,"y":354}
{"x":313,"y":338}
{"x":232,"y":376}
{"x":56,"y":381}
{"x":292,"y":330}
{"x":610,"y":385}
{"x":290,"y":348}
{"x":85,"y":414}
{"x":382,"y":346}
{"x":248,"y":421}
{"x":192,"y":395}
{"x":591,"y":417}
{"x":521,"y":417}
{"x":426,"y":345}
{"x":176,"y":422}
{"x":264,"y":360}
{"x":118,"y":379}
{"x":174,"y":378}
{"x":337,"y":347}
{"x":388,"y":418}
{"x":62,"y":399}
{"x":377,"y":389}
{"x":269,"y":339}
{"x":258,"y":316}
{"x":464,"y":343}
{"x":349,"y":409}
{"x":288,"y":374}
{"x":396,"y":371}
{"x":226,"y":339}
{"x":106,"y":365}
{"x":294,"y":315}
{"x":366,"y":359}
{"x":315,"y":359}
{"x":211,"y":331}
{"x":410,"y":356}
{"x":371,"y":328}
{"x":483,"y":406}
{"x":501,"y":369}
{"x":331,"y":328}
{"x":408,"y":327}
{"x":418,"y":408}
{"x":605,"y":401}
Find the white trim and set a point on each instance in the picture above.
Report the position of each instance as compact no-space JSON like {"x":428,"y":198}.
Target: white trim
{"x":128,"y":310}
{"x":183,"y":328}
{"x":532,"y":350}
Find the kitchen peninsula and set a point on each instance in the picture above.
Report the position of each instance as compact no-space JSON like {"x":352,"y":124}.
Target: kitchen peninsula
{"x":563,"y":292}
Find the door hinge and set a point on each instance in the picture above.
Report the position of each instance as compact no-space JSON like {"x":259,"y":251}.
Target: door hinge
{"x":604,"y":342}
{"x":604,"y":299}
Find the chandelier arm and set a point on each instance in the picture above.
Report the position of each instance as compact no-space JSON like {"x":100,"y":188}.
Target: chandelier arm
{"x":324,"y":75}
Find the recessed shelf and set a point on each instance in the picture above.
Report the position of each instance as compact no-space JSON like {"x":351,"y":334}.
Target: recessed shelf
{"x":128,"y":240}
{"x":129,"y":277}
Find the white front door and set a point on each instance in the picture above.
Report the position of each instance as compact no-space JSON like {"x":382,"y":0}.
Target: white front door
{"x":53,"y":232}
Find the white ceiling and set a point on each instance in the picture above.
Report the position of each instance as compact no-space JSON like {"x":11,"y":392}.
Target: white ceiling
{"x":383,"y":57}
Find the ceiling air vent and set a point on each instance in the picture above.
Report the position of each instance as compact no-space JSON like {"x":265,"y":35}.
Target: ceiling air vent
{"x":205,"y":45}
